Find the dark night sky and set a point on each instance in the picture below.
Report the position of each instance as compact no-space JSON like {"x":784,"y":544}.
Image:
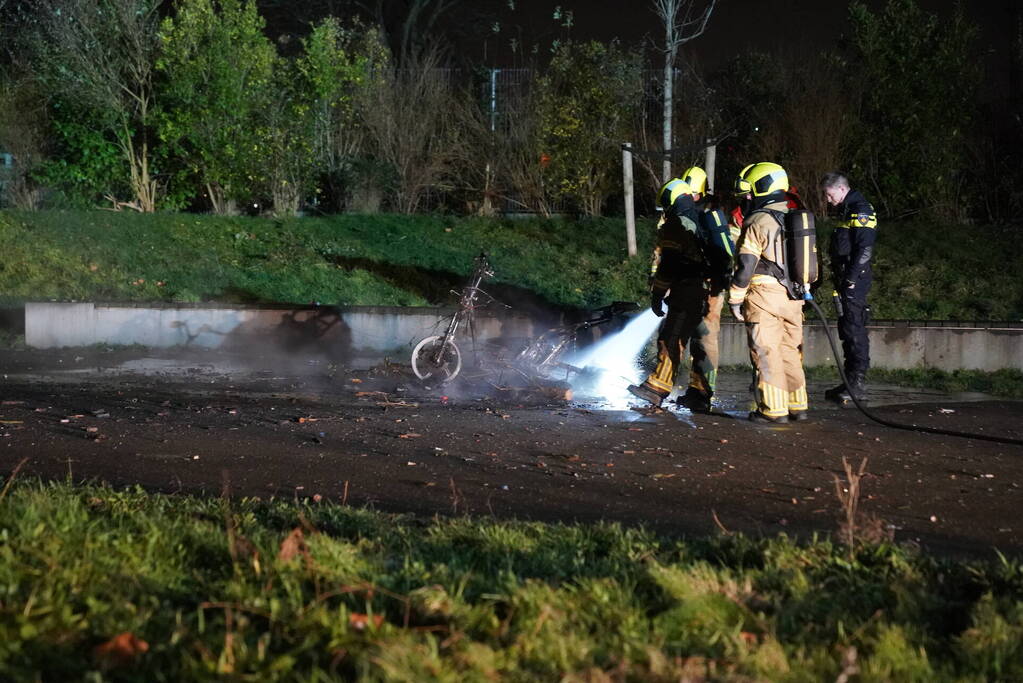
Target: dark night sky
{"x":793,"y":26}
{"x":800,"y":28}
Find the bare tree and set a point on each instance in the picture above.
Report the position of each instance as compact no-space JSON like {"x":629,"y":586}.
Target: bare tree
{"x":700,"y":116}
{"x":807,"y":130}
{"x":408,"y":25}
{"x":501,"y":160}
{"x":523,"y":163}
{"x":407,"y":114}
{"x":476,"y":162}
{"x":816,"y":135}
{"x":680,"y":26}
{"x":101,"y":54}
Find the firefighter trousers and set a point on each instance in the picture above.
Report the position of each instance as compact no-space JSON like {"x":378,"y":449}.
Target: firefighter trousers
{"x":774,"y":326}
{"x":703,"y":347}
{"x":686,"y":308}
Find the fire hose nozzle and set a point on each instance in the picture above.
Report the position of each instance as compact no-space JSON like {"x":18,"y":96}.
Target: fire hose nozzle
{"x":837,"y":300}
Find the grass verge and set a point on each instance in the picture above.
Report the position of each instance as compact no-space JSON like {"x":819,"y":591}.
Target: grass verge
{"x":100,"y":584}
{"x":1006,"y":383}
{"x":399,"y":260}
{"x":340,"y":260}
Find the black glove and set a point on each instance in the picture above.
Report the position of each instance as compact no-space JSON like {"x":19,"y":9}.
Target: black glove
{"x":656,"y":304}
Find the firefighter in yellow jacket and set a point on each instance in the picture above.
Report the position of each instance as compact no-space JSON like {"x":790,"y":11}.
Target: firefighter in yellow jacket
{"x":774,"y":321}
{"x":681,"y":271}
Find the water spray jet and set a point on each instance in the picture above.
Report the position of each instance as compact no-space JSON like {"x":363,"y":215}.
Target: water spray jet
{"x":616,"y":360}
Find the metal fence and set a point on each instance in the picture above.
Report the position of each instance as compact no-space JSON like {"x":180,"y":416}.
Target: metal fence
{"x":504,"y":91}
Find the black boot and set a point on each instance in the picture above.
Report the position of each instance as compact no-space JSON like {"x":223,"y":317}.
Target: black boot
{"x":857,"y":386}
{"x":646,"y":393}
{"x":838,"y":393}
{"x":696,"y":401}
{"x":844,"y":393}
{"x":757,"y":416}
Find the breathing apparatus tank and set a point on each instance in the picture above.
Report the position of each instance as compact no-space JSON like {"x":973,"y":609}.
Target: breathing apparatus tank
{"x":715,"y":231}
{"x":718,"y":247}
{"x":795,"y":251}
{"x":802,"y":269}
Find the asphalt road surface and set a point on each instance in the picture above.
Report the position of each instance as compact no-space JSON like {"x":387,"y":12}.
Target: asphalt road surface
{"x":374,"y":436}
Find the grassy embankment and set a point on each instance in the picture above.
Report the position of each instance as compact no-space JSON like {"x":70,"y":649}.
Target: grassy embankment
{"x":343,"y":260}
{"x":97,"y":584}
{"x":922,"y":271}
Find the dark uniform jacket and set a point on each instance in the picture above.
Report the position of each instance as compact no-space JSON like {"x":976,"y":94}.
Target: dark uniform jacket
{"x":682,"y":256}
{"x":852,"y":243}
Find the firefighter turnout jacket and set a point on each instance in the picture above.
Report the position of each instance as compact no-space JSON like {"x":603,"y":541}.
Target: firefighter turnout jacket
{"x":761,"y":252}
{"x":682,"y":270}
{"x":774,"y":321}
{"x":679,"y":244}
{"x":716,"y":232}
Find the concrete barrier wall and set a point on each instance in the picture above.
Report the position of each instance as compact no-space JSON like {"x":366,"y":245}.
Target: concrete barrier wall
{"x":903,"y":345}
{"x":379,"y":329}
{"x":357,"y":329}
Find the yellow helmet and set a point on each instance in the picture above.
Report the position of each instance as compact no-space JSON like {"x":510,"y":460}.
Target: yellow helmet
{"x":672,"y":190}
{"x":741,"y":187}
{"x":761,"y":180}
{"x":696,"y":178}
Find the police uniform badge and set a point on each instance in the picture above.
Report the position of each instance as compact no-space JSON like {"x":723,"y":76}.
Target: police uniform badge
{"x":863,"y":219}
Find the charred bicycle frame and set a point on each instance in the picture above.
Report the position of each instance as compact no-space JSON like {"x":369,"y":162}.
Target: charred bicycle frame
{"x":438,"y":357}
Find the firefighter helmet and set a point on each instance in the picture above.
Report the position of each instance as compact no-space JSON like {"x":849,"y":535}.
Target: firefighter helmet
{"x":762,"y":180}
{"x":741,"y":187}
{"x":696,"y":178}
{"x":670,"y":191}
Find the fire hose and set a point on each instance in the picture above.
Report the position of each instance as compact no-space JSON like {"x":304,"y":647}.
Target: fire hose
{"x":808,"y":298}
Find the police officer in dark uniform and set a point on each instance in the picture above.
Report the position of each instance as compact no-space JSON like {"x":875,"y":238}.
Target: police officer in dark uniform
{"x":852,"y":246}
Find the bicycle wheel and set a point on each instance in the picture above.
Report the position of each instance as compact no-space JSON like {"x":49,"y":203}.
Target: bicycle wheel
{"x":430,"y":361}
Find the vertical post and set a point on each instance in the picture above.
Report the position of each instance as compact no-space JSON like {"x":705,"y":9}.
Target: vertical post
{"x":708,"y":164}
{"x":666,"y":134}
{"x":493,"y":98}
{"x":630,"y":210}
{"x":487,"y":208}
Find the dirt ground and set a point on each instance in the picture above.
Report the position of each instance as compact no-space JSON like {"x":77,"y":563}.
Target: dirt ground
{"x":369,"y":434}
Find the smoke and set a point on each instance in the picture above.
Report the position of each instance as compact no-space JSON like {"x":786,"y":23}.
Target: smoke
{"x":615,"y":361}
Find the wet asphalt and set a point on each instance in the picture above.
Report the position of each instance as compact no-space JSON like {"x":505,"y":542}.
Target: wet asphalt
{"x":367,"y":433}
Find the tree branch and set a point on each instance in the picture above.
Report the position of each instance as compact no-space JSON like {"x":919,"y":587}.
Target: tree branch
{"x":678,"y":32}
